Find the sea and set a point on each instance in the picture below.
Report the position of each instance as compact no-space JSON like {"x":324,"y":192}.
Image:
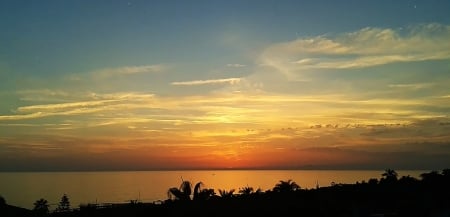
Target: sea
{"x":24,"y":188}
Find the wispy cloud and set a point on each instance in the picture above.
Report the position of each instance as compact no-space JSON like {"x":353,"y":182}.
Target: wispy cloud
{"x":367,"y":47}
{"x":362,"y":62}
{"x":444,"y":97}
{"x":63,"y":106}
{"x":235,"y":65}
{"x":122,"y":96}
{"x":121,"y":72}
{"x":204,"y":82}
{"x":46,"y":92}
{"x":128,"y":70}
{"x":21,"y":116}
{"x":90,"y":103}
{"x":43,"y":95}
{"x":414,"y":86}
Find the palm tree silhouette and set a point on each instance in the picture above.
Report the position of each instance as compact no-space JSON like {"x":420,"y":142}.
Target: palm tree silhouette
{"x":185,"y":190}
{"x":390,"y":175}
{"x":226,"y":194}
{"x":202,"y":194}
{"x":197,"y":190}
{"x":286,"y":186}
{"x":41,"y":207}
{"x":246,"y":190}
{"x":181,"y":193}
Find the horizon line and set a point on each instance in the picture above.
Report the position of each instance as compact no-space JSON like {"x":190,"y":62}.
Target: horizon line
{"x":217,"y":169}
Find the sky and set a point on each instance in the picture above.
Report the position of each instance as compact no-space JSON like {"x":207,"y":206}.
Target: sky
{"x":154,"y":85}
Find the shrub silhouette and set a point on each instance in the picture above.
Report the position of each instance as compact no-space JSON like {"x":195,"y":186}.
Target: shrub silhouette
{"x":2,"y":201}
{"x":432,"y":176}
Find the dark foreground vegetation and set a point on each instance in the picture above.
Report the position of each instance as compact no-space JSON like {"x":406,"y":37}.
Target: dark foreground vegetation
{"x":388,"y":196}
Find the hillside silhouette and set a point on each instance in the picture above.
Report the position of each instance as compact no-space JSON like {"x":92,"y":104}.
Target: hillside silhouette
{"x":389,"y":195}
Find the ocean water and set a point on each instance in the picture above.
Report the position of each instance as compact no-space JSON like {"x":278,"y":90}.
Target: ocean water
{"x":23,"y":188}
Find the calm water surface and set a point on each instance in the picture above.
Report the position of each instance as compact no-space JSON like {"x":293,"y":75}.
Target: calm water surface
{"x":22,"y":189}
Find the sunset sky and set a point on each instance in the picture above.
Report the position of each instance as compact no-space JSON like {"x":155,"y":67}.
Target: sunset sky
{"x":137,"y":85}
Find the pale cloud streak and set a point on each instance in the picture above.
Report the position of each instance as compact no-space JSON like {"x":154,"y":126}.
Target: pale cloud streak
{"x":63,"y":106}
{"x":363,"y":62}
{"x":35,"y":95}
{"x":129,"y":70}
{"x":117,"y":72}
{"x":206,"y":82}
{"x":235,"y":65}
{"x":21,"y":116}
{"x":414,"y":86}
{"x":89,"y":103}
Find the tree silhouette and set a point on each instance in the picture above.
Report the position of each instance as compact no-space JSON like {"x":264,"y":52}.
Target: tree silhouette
{"x":372,"y":181}
{"x":185,"y":190}
{"x":406,"y":180}
{"x":202,"y":194}
{"x":390,"y":175}
{"x":246,"y":190}
{"x":181,"y":193}
{"x":197,"y":188}
{"x":226,"y":194}
{"x":286,"y":186}
{"x":431,"y":177}
{"x":41,"y":207}
{"x":64,"y":204}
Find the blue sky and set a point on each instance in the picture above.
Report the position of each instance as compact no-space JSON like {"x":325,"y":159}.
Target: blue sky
{"x":228,"y":83}
{"x":51,"y":36}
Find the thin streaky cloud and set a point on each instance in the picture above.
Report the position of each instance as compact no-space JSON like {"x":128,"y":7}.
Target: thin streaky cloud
{"x":43,"y":114}
{"x":122,"y":95}
{"x":69,"y":97}
{"x":102,"y":103}
{"x":129,"y":70}
{"x":204,"y":82}
{"x":412,"y":86}
{"x":62,"y":106}
{"x":363,"y":62}
{"x":22,"y":117}
{"x":46,"y":92}
{"x":235,"y":65}
{"x":442,"y":97}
